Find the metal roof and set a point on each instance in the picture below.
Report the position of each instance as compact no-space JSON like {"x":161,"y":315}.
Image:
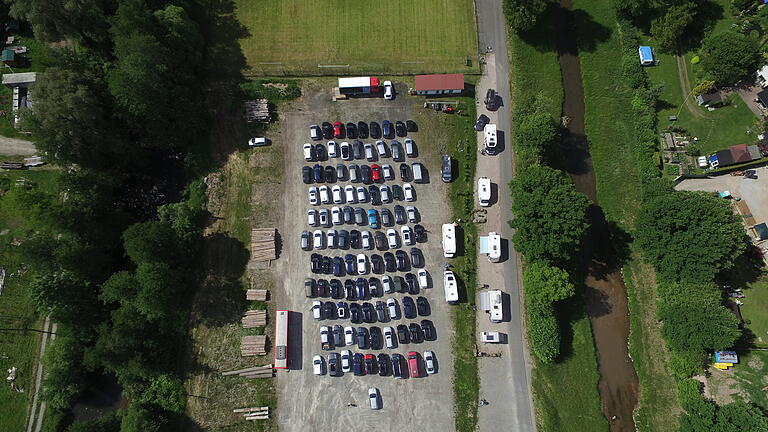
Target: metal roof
{"x":440,"y":82}
{"x":19,"y":78}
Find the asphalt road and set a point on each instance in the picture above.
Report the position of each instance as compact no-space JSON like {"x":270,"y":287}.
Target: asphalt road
{"x":505,"y":380}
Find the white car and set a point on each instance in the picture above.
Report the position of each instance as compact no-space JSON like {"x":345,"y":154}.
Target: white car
{"x":409,"y":192}
{"x":389,"y":91}
{"x":391,"y":308}
{"x":313,"y":200}
{"x":411,"y":211}
{"x":348,"y":152}
{"x":366,"y":240}
{"x":333,"y":149}
{"x":429,"y":362}
{"x":410,"y":149}
{"x":373,"y":392}
{"x":338,"y":198}
{"x":386,"y":283}
{"x":389,"y":337}
{"x":349,"y":194}
{"x":368,"y":151}
{"x":325,"y":334}
{"x":336,"y":215}
{"x":312,"y":217}
{"x":407,"y":235}
{"x":381,"y":149}
{"x":258,"y":142}
{"x":392,"y":239}
{"x":349,"y":335}
{"x":318,"y":239}
{"x":388,"y":172}
{"x":423,"y":279}
{"x":362,"y":194}
{"x":346,"y":361}
{"x":386,"y":197}
{"x":318,"y":366}
{"x":331,"y":235}
{"x":362,"y":264}
{"x":308,"y":152}
{"x":317,"y":309}
{"x":323,"y":217}
{"x":325,"y":194}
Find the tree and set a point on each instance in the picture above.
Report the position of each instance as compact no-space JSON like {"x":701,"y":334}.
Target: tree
{"x":536,"y":135}
{"x":68,"y":299}
{"x":166,"y":392}
{"x":108,"y":422}
{"x":54,"y":21}
{"x":523,"y":14}
{"x":668,"y":28}
{"x":689,"y":235}
{"x":549,"y":215}
{"x":64,"y":378}
{"x":728,"y":57}
{"x":547,"y":284}
{"x":153,"y":241}
{"x":740,"y":417}
{"x":142,"y":418}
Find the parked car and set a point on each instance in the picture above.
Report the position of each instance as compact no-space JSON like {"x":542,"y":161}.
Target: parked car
{"x":306,"y":174}
{"x":387,"y":130}
{"x":333,"y":149}
{"x":373,"y":218}
{"x":410,"y":281}
{"x":422,"y":306}
{"x":357,"y":365}
{"x":333,"y":365}
{"x":482,"y":120}
{"x":389,"y":90}
{"x":362,"y":129}
{"x":373,"y":395}
{"x":318,"y":366}
{"x":351,"y":130}
{"x":349,"y":335}
{"x":397,"y":366}
{"x":320,"y":153}
{"x":387,"y":172}
{"x":313,"y":198}
{"x":389,"y":337}
{"x":373,"y":193}
{"x":305,"y":243}
{"x":397,"y":151}
{"x":346,"y":152}
{"x":392,"y":308}
{"x":380,"y":238}
{"x":360,"y":287}
{"x":315,"y":263}
{"x":416,"y":335}
{"x":354,"y":173}
{"x":375,"y":334}
{"x":362,"y":337}
{"x":417,"y":258}
{"x":369,"y":155}
{"x":358,"y":151}
{"x":407,"y":235}
{"x":383,"y":364}
{"x":410,"y":148}
{"x":354,"y":235}
{"x":400,"y":129}
{"x":429,"y":330}
{"x":312,"y":217}
{"x":392,"y":239}
{"x":402,"y":334}
{"x":446,"y":171}
{"x":370,"y":365}
{"x":366,"y":240}
{"x":362,"y":264}
{"x":429,"y":362}
{"x":338,"y":130}
{"x":381,"y":148}
{"x":389,"y":262}
{"x":341,"y":172}
{"x":410,"y":193}
{"x":376,"y":173}
{"x":377,"y":264}
{"x":386,"y":217}
{"x":401,"y":258}
{"x":317,"y":310}
{"x":315,"y":133}
{"x":346,"y":361}
{"x":386,"y":196}
{"x":375,"y":130}
{"x":411,"y":126}
{"x":327,"y":130}
{"x":365,"y":174}
{"x":309,"y":153}
{"x":409,"y":308}
{"x":420,"y":233}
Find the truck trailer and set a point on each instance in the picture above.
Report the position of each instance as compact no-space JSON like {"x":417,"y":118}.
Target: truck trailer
{"x":359,"y":86}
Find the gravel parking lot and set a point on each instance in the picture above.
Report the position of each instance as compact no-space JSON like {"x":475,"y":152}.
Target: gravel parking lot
{"x":309,"y":402}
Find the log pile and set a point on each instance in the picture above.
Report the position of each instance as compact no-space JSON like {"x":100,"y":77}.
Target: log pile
{"x":253,"y":345}
{"x":263,"y":244}
{"x":256,"y":294}
{"x":257,"y":111}
{"x":255,"y":413}
{"x":254,"y":318}
{"x":265,"y":371}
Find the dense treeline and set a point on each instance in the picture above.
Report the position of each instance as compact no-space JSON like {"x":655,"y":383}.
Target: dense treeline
{"x":689,"y":237}
{"x":121,"y":109}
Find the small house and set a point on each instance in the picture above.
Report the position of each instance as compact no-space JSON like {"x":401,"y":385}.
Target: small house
{"x":646,"y":56}
{"x":9,"y":57}
{"x":439,"y":84}
{"x":762,"y":99}
{"x":24,"y":79}
{"x":711,"y":99}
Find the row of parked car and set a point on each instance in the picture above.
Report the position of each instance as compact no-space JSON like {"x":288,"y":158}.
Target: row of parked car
{"x":358,"y":265}
{"x":368,"y":364}
{"x":358,"y":150}
{"x":337,"y":215}
{"x":368,"y":312}
{"x":319,"y":239}
{"x":360,"y":288}
{"x":337,"y":195}
{"x":375,"y":338}
{"x":361,"y":173}
{"x":361,"y":129}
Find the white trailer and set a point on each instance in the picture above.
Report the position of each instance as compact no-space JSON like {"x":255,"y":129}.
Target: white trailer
{"x":451,"y":287}
{"x":491,"y":246}
{"x":449,"y":240}
{"x":490,"y":138}
{"x":492,"y":337}
{"x":492,"y":302}
{"x":484,"y":191}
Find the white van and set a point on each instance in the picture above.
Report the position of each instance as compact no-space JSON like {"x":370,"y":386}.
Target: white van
{"x":449,"y":240}
{"x":418,"y":172}
{"x":410,"y":148}
{"x":490,"y":138}
{"x":450,"y":286}
{"x":484,"y":191}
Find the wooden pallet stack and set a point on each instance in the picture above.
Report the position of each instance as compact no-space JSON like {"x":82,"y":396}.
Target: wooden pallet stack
{"x":256,"y":294}
{"x":253,"y":345}
{"x":255,"y":413}
{"x":265,"y":371}
{"x":257,"y":110}
{"x":263,"y":246}
{"x":254,"y":318}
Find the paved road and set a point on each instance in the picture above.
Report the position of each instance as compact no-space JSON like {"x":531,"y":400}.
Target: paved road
{"x":504,"y":381}
{"x":16,"y":147}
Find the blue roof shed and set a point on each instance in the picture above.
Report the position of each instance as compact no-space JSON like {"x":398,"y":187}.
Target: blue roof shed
{"x":646,"y":56}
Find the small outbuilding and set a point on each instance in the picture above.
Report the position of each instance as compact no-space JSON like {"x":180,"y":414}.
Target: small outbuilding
{"x":439,"y":84}
{"x":711,"y":99}
{"x":761,"y":231}
{"x":25,"y":79}
{"x":646,"y":56}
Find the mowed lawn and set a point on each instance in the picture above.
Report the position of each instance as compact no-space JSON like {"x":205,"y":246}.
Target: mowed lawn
{"x":397,"y":36}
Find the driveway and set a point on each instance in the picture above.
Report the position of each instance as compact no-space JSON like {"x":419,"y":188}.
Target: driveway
{"x":505,"y":380}
{"x":16,"y":147}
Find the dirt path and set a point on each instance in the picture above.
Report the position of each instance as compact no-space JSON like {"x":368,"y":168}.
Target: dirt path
{"x":16,"y":147}
{"x":685,"y":85}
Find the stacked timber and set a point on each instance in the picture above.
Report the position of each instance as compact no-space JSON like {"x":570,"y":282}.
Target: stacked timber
{"x":265,"y":371}
{"x":256,"y":294}
{"x":255,"y":413}
{"x":253,"y":345}
{"x":263,"y":246}
{"x":257,"y":110}
{"x":254,"y":318}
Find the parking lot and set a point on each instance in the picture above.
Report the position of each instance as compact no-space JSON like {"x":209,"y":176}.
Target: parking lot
{"x":310,"y":402}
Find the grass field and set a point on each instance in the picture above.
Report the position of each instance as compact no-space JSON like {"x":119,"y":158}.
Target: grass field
{"x":755,"y":313}
{"x":750,"y":376}
{"x":293,"y":37}
{"x":17,"y":309}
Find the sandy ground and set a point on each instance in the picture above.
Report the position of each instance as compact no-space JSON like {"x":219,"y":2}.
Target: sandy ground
{"x":308,"y":402}
{"x":16,"y":147}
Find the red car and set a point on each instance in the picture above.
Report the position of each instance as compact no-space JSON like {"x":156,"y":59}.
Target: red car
{"x":376,"y":173}
{"x":413,"y":364}
{"x":370,"y":362}
{"x":338,"y":130}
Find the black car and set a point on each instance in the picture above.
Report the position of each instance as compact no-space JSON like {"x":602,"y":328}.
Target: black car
{"x":341,"y":172}
{"x":383,"y":364}
{"x":306,"y":174}
{"x":362,"y":337}
{"x":320,"y":153}
{"x":326,"y":265}
{"x":354,"y":173}
{"x":358,"y":152}
{"x":343,"y":242}
{"x":422,"y":307}
{"x":376,"y":338}
{"x":399,"y":284}
{"x":351,"y":130}
{"x":374,"y":287}
{"x":413,"y":285}
{"x":419,"y":233}
{"x":405,"y":172}
{"x":327,"y":130}
{"x":399,"y":214}
{"x":381,"y":311}
{"x":329,"y":310}
{"x":374,"y":195}
{"x":387,"y":130}
{"x":481,"y":122}
{"x":315,"y":263}
{"x":322,"y":288}
{"x":417,"y":258}
{"x":389,"y":262}
{"x":360,"y":286}
{"x":334,"y":369}
{"x":416,"y":336}
{"x":377,"y":264}
{"x":491,"y":100}
{"x":338,"y":266}
{"x":349,"y":215}
{"x":357,"y":364}
{"x":400,"y":129}
{"x":370,"y":365}
{"x":346,"y":153}
{"x":409,"y":307}
{"x":375,"y":130}
{"x":365,"y":174}
{"x":397,"y":369}
{"x":349,"y":289}
{"x":411,"y":126}
{"x":402,"y":260}
{"x":336,"y":289}
{"x":354,"y":313}
{"x":330,"y":174}
{"x":402,"y":334}
{"x":429,"y":330}
{"x":386,"y":217}
{"x":317,"y":173}
{"x":397,"y":151}
{"x":397,"y":193}
{"x":381,"y":241}
{"x":350,"y":262}
{"x":362,"y":129}
{"x":354,"y":238}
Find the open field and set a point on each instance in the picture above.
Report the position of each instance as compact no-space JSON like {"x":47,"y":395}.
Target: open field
{"x":293,"y":37}
{"x":755,"y":313}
